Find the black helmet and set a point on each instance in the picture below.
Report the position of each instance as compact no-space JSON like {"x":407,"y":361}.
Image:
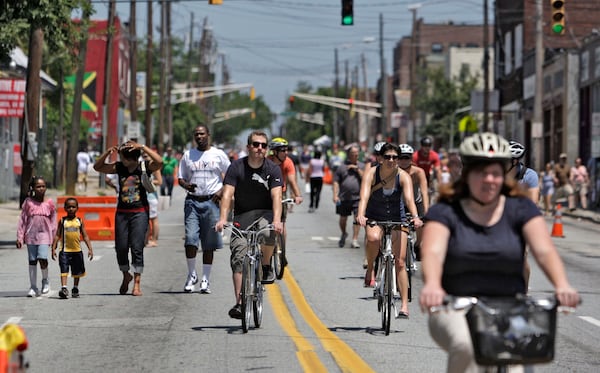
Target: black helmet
{"x":426,"y":141}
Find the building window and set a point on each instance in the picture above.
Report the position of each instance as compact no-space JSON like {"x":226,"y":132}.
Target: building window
{"x":471,"y":45}
{"x":558,"y":80}
{"x":547,"y":83}
{"x":437,"y":48}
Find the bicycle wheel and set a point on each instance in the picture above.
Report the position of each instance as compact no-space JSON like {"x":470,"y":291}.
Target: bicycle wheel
{"x":388,"y":296}
{"x":378,"y":291}
{"x":279,"y":256}
{"x":409,"y":265}
{"x":257,"y":299}
{"x":247,"y":285}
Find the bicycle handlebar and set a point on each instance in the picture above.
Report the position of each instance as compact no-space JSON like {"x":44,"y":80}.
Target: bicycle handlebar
{"x":241,"y":233}
{"x":463,"y":302}
{"x":287,"y":201}
{"x":385,"y":223}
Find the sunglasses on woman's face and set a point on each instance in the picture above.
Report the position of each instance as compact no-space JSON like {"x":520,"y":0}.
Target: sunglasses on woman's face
{"x":256,"y":144}
{"x":389,"y":157}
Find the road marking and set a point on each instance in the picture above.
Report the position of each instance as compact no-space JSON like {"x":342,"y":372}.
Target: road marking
{"x":12,"y":320}
{"x":306,"y":354}
{"x":591,"y":320}
{"x":345,"y":357}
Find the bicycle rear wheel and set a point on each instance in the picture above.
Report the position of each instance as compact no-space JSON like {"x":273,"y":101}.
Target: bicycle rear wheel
{"x":388,"y":296}
{"x":279,"y":256}
{"x":257,"y":299}
{"x":247,"y":291}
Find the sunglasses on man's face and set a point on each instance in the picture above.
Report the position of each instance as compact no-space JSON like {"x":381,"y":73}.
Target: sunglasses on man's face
{"x":390,"y":157}
{"x":256,"y":144}
{"x":281,"y":150}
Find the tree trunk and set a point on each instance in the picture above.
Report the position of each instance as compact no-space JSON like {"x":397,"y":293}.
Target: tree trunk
{"x":76,"y":118}
{"x":32,"y":109}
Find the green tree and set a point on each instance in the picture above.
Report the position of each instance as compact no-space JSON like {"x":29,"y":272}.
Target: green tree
{"x":439,"y":97}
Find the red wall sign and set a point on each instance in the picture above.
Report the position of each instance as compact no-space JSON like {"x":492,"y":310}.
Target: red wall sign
{"x":12,"y":97}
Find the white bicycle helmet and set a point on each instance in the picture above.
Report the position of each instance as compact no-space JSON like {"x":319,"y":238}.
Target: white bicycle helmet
{"x":377,"y":147}
{"x":406,"y":149}
{"x":517,"y":150}
{"x":485,"y":146}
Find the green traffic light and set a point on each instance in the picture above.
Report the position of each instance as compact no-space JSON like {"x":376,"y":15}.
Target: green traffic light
{"x":558,"y":28}
{"x":347,"y":20}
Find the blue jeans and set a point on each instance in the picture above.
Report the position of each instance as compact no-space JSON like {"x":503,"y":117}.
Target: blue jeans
{"x":130,"y":232}
{"x":200,"y":219}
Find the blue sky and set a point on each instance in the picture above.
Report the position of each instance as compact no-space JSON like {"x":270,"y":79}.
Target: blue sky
{"x":274,"y":44}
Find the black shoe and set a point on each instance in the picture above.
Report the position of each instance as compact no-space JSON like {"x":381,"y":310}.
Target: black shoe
{"x":267,"y":275}
{"x":342,"y":240}
{"x":75,"y":293}
{"x":63,"y":293}
{"x":236,"y":312}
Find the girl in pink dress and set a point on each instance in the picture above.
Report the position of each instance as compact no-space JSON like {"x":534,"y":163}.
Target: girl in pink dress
{"x":36,"y":229}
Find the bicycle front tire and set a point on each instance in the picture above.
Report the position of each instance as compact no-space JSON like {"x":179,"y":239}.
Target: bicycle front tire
{"x":247,"y":285}
{"x":257,"y":299}
{"x":388,"y":296}
{"x":278,"y":256}
{"x":409,"y":265}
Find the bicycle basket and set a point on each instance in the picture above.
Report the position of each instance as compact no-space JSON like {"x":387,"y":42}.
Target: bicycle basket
{"x":517,"y":330}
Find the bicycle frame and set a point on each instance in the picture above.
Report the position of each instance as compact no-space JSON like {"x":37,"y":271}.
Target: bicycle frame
{"x":386,"y":283}
{"x":252,"y":287}
{"x":279,"y":260}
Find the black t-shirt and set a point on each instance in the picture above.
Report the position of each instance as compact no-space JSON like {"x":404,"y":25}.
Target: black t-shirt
{"x":253,"y":185}
{"x":484,"y":260}
{"x":132,"y":195}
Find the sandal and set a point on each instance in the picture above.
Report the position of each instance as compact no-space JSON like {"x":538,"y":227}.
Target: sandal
{"x":402,"y":315}
{"x":369,"y":283}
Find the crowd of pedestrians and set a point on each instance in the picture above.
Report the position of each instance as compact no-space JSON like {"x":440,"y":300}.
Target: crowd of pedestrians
{"x":480,"y":206}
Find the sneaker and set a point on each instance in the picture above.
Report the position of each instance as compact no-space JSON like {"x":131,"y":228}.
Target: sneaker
{"x":204,"y":287}
{"x":342,"y":240}
{"x":236,"y":312}
{"x":63,"y":293}
{"x":267,"y":277}
{"x":45,"y":286}
{"x":33,"y":292}
{"x":355,"y":244}
{"x":189,"y":284}
{"x":74,"y":293}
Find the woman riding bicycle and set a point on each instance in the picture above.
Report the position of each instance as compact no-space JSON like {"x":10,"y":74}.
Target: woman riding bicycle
{"x":473,"y":245}
{"x":381,"y":193}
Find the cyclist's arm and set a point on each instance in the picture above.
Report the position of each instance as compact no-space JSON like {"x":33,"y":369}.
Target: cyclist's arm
{"x":434,"y":246}
{"x":544,"y":251}
{"x":423,"y":188}
{"x":293,"y":184}
{"x":276,"y":198}
{"x":365,"y":194}
{"x":225,"y":206}
{"x":409,"y":197}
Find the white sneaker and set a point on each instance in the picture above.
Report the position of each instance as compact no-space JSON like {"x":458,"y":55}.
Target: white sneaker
{"x":45,"y":286}
{"x":355,"y":244}
{"x":189,"y":284}
{"x":33,"y":292}
{"x":204,"y":287}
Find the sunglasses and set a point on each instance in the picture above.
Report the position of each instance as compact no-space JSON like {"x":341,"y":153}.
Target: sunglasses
{"x":390,"y":157}
{"x":257,"y":144}
{"x":281,"y":150}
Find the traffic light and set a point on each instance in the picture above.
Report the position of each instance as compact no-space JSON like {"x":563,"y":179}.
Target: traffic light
{"x":215,"y":2}
{"x":347,"y":13}
{"x":291,"y":101}
{"x":558,"y":16}
{"x":252,"y":93}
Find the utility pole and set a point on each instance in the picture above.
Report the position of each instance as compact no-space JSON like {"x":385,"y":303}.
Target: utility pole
{"x":112,"y":9}
{"x":169,"y":62}
{"x":486,"y":73}
{"x":536,"y":123}
{"x":148,"y":104}
{"x":347,"y":132}
{"x":133,"y":63}
{"x":414,"y":58}
{"x":191,"y":45}
{"x":336,"y":93}
{"x":163,"y":76}
{"x":383,"y":90}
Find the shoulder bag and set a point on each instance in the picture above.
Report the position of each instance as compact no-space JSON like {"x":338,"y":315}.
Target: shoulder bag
{"x":146,"y":180}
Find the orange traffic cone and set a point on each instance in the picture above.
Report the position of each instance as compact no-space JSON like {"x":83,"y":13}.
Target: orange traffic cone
{"x":557,"y":227}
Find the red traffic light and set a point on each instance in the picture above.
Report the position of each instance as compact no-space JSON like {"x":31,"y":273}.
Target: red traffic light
{"x":350,"y":101}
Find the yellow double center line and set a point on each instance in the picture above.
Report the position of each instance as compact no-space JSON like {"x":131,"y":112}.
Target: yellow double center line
{"x":344,"y":356}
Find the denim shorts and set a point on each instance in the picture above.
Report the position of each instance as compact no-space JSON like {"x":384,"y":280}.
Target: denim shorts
{"x":200,"y":220}
{"x":36,"y":252}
